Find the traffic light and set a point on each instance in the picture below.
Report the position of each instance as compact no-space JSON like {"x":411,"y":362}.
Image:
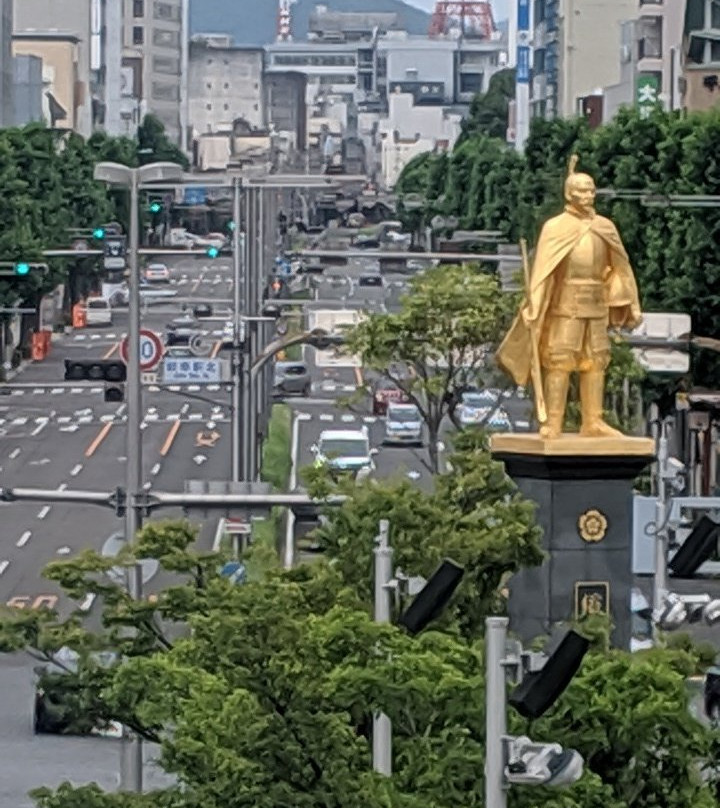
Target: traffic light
{"x":155,"y":207}
{"x":542,"y":764}
{"x":697,"y":548}
{"x":95,"y":370}
{"x":231,"y":226}
{"x":99,"y":233}
{"x":114,"y":393}
{"x":212,"y":252}
{"x":539,"y":690}
{"x":22,"y":268}
{"x":433,"y":597}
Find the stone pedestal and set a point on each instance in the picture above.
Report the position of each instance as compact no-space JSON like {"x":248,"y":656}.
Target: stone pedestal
{"x":583,"y":490}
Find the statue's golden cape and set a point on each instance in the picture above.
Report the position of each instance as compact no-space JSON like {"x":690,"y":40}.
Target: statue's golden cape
{"x":558,"y":237}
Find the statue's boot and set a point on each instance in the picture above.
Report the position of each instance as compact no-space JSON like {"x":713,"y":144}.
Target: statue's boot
{"x":592,"y":393}
{"x":556,"y":385}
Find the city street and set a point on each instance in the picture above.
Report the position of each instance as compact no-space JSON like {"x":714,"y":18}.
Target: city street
{"x":56,"y":435}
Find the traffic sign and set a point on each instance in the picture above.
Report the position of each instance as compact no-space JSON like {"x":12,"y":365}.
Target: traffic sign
{"x":187,"y":371}
{"x":238,"y":526}
{"x":114,"y":253}
{"x":151,"y":349}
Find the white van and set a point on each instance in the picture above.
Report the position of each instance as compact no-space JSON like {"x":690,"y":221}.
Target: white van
{"x":98,"y":311}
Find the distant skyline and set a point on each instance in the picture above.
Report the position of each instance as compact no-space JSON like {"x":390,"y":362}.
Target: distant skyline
{"x":500,"y":7}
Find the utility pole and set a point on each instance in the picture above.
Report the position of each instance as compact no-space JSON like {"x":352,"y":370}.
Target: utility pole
{"x":238,"y":335}
{"x":660,"y":579}
{"x":496,"y":629}
{"x":382,"y":728}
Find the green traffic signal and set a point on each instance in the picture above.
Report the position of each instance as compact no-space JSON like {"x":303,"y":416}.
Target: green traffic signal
{"x":22,"y":268}
{"x":99,"y":233}
{"x":155,"y":207}
{"x":231,"y":226}
{"x":212,"y":252}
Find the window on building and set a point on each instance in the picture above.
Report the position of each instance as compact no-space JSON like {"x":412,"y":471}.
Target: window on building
{"x":226,"y":107}
{"x":714,"y":15}
{"x":471,"y":82}
{"x":166,"y":39}
{"x":715,"y":52}
{"x":226,"y":86}
{"x":138,"y":35}
{"x":138,"y":8}
{"x":208,"y":107}
{"x":650,"y":41}
{"x":166,"y":64}
{"x":539,"y":62}
{"x":166,"y":11}
{"x":539,"y":15}
{"x":165,"y":91}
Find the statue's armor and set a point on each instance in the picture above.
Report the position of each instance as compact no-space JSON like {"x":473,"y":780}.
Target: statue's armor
{"x":577,"y":317}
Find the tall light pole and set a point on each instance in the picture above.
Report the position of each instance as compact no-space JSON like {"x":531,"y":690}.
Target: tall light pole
{"x":382,"y":728}
{"x":496,"y":629}
{"x":238,"y":332}
{"x":131,"y":764}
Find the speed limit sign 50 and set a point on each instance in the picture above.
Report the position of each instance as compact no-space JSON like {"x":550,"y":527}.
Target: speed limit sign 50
{"x":151,"y":349}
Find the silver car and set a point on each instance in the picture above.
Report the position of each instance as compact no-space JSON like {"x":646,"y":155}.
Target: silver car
{"x":291,"y":379}
{"x":404,"y":425}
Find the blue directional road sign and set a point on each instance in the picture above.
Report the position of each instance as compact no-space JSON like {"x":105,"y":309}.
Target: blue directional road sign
{"x":235,"y":571}
{"x":194,"y":195}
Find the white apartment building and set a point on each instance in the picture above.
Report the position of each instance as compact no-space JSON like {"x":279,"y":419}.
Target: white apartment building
{"x":409,"y":130}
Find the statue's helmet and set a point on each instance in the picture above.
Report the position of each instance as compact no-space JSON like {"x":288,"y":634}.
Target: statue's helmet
{"x":575,"y":178}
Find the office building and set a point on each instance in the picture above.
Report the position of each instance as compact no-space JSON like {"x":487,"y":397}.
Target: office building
{"x":700,"y":83}
{"x":575,"y":52}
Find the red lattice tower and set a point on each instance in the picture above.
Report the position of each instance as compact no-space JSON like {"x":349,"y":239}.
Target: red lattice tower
{"x":284,"y":20}
{"x":469,"y":17}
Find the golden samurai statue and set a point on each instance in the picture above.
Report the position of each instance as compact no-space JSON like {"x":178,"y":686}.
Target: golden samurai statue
{"x":581,"y":284}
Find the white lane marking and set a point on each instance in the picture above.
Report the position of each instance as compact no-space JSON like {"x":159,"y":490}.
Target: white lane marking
{"x":17,"y":393}
{"x":76,"y":470}
{"x":199,"y":459}
{"x":3,"y":566}
{"x":348,"y":419}
{"x":95,"y":336}
{"x":24,"y":539}
{"x":62,"y":487}
{"x":73,"y":428}
{"x":326,"y":416}
{"x":185,"y":407}
{"x":76,"y":390}
{"x":64,"y":419}
{"x":86,"y":419}
{"x":155,"y":469}
{"x":370,"y":419}
{"x":96,"y":389}
{"x":43,"y":512}
{"x":19,"y":421}
{"x":14,"y":453}
{"x":57,"y":391}
{"x":107,"y":418}
{"x":39,"y":428}
{"x":193,"y":388}
{"x":87,"y":603}
{"x":195,"y":416}
{"x":39,"y":391}
{"x":175,"y":417}
{"x":64,"y":551}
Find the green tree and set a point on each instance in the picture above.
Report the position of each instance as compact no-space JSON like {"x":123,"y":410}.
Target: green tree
{"x":154,"y":146}
{"x":438,"y":341}
{"x":488,"y":114}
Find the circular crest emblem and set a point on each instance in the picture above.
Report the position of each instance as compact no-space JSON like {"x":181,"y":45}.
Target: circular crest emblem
{"x":592,"y":526}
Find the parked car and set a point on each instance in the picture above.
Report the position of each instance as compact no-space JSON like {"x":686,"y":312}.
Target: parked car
{"x":345,"y":450}
{"x":202,"y":310}
{"x":181,"y":330}
{"x":404,"y":424}
{"x":474,"y":408}
{"x":157,"y":273}
{"x":58,"y":707}
{"x":383,"y":392}
{"x":98,"y":311}
{"x":371,"y":279}
{"x":291,"y":379}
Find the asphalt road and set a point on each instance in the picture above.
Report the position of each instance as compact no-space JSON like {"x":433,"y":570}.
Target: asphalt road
{"x":57,"y":436}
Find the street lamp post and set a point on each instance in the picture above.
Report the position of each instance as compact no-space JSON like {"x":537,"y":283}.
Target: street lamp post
{"x":131,"y":764}
{"x":238,"y":333}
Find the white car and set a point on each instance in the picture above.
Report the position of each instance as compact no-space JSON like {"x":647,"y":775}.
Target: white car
{"x":345,"y":450}
{"x":475,"y":407}
{"x":404,"y":424}
{"x":157,"y":273}
{"x":98,"y":311}
{"x":148,"y":294}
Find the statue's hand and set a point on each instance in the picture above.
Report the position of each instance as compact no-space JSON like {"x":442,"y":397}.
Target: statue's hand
{"x":635,"y":318}
{"x":528,"y":315}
